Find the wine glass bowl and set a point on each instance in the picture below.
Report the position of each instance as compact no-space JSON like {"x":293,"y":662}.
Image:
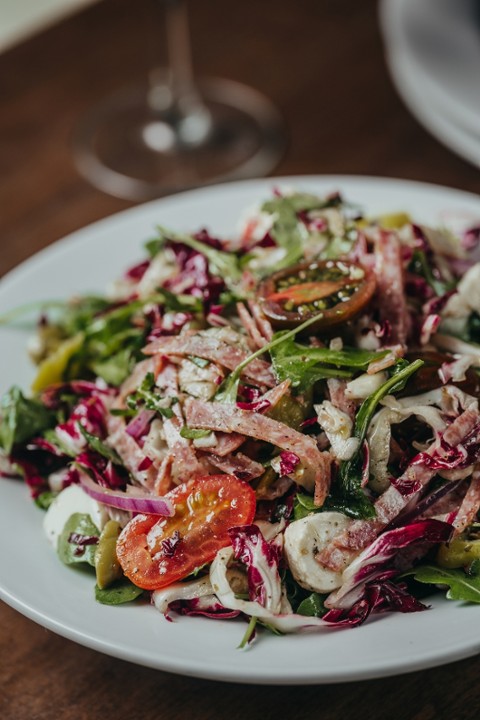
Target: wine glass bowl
{"x":174,"y":133}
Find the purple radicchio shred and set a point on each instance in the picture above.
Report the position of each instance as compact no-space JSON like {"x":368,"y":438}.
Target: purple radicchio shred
{"x":250,"y":394}
{"x":423,"y":505}
{"x":170,"y":544}
{"x":257,"y":406}
{"x":36,"y":463}
{"x":145,"y":464}
{"x":288,"y":462}
{"x":51,"y":397}
{"x":449,"y":457}
{"x":471,"y":238}
{"x":136,"y":272}
{"x":247,"y":542}
{"x":194,"y":277}
{"x":167,"y":324}
{"x":309,"y":422}
{"x":372,"y":564}
{"x":79,"y":539}
{"x":377,"y":597}
{"x":104,"y":471}
{"x":204,"y":607}
{"x":406,"y":486}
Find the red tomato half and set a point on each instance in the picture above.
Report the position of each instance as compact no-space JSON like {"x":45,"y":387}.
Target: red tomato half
{"x":156,"y":552}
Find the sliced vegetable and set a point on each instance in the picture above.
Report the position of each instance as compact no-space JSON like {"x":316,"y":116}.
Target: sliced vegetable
{"x":107,"y":567}
{"x":333,"y":290}
{"x":155,"y":553}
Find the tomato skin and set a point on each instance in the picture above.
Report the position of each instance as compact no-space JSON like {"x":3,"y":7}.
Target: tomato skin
{"x":155,"y":552}
{"x":274,"y":299}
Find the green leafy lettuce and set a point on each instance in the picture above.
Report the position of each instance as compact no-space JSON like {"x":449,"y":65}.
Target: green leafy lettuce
{"x":21,"y":419}
{"x":78,"y":540}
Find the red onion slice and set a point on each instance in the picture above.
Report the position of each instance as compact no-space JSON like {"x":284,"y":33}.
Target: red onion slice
{"x":138,"y":503}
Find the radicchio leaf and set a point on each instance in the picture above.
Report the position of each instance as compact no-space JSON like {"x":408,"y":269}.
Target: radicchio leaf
{"x":261,"y":559}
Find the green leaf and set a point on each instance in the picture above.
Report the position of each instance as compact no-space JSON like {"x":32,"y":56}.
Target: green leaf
{"x":394,"y":384}
{"x":348,"y":490}
{"x":194,"y":434}
{"x":155,"y":245}
{"x":45,"y":499}
{"x":146,"y":397}
{"x":100,"y":447}
{"x":224,"y":264}
{"x":303,"y":505}
{"x":421,"y":266}
{"x":462,"y":586}
{"x":312,"y":606}
{"x":21,"y":418}
{"x":119,"y":592}
{"x":229,"y":388}
{"x":114,"y":369}
{"x":72,"y":552}
{"x":304,"y":365}
{"x":287,"y":230}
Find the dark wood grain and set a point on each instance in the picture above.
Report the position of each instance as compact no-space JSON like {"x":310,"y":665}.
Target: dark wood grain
{"x":321,"y":62}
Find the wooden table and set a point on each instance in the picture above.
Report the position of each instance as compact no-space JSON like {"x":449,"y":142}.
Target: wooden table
{"x":321,"y":62}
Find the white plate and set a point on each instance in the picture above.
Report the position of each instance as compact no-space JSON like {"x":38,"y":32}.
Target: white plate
{"x":34,"y":582}
{"x":433,"y":52}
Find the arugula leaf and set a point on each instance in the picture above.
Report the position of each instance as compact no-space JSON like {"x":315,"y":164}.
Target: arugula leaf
{"x":21,"y":419}
{"x":224,"y":264}
{"x":395,"y":383}
{"x":304,"y":365}
{"x":146,"y":397}
{"x":421,"y":266}
{"x":119,"y":592}
{"x":229,"y":388}
{"x":462,"y":586}
{"x":288,"y":231}
{"x":78,"y":540}
{"x":349,"y":490}
{"x":100,"y":447}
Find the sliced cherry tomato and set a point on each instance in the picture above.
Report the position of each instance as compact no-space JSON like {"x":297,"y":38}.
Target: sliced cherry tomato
{"x":337,"y":289}
{"x":156,"y":552}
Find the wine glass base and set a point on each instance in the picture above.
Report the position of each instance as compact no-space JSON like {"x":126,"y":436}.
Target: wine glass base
{"x":126,"y":149}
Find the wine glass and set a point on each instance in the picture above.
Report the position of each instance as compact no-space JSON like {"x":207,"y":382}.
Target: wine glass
{"x":176,"y":133}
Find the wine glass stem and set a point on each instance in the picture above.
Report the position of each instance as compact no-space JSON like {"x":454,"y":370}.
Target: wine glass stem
{"x":179,"y":50}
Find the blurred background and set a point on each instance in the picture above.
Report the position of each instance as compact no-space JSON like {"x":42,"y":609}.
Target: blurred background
{"x":353,"y":99}
{"x":320,"y":62}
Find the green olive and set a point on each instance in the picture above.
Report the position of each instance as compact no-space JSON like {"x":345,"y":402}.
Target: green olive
{"x":107,"y":567}
{"x":291,"y":411}
{"x":458,"y":553}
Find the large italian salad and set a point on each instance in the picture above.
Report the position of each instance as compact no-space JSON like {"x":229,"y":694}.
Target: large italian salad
{"x":280,"y":427}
